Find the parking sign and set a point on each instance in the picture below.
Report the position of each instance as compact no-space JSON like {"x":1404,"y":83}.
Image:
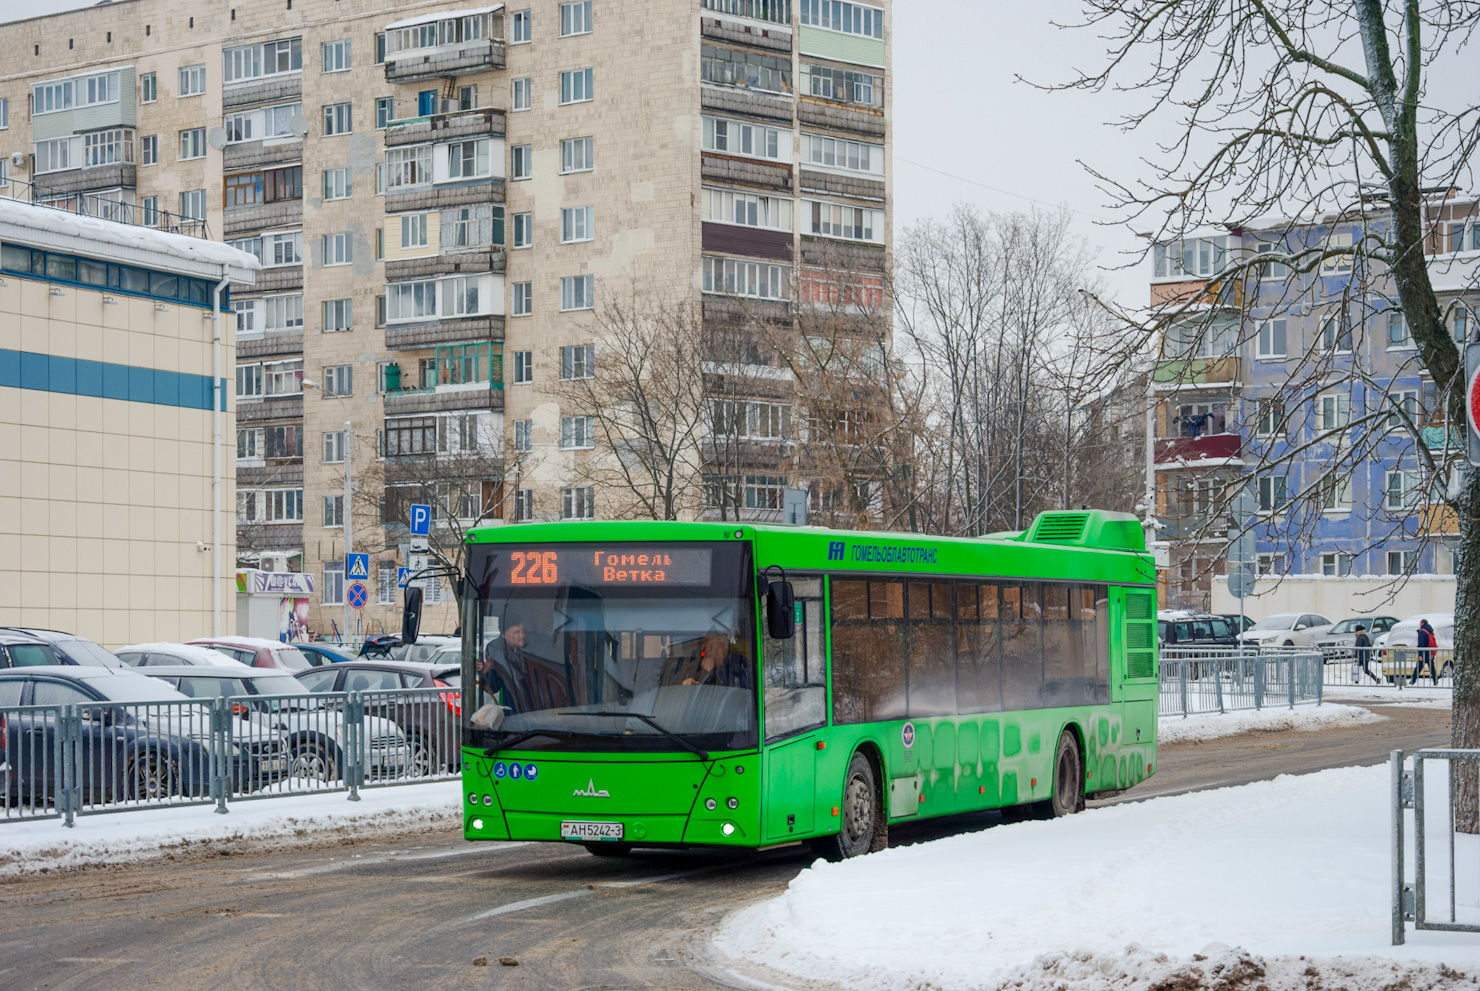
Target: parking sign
{"x":421,"y":520}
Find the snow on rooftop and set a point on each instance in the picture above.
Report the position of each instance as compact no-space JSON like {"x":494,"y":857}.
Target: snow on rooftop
{"x":443,"y":15}
{"x":30,"y":216}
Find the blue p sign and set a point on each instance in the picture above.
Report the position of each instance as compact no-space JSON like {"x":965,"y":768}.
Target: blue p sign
{"x":421,"y":520}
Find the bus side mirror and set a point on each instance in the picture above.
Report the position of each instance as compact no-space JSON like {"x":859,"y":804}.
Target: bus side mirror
{"x":411,"y":615}
{"x":781,"y":622}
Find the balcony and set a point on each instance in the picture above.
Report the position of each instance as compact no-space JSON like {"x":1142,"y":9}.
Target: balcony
{"x":259,"y":216}
{"x":444,"y":197}
{"x":449,"y":330}
{"x":458,"y":261}
{"x":260,"y":154}
{"x":1195,"y":526}
{"x":1209,"y":450}
{"x":444,"y":399}
{"x":752,"y":103}
{"x":277,"y":88}
{"x":748,"y":171}
{"x":270,"y":408}
{"x":270,"y":344}
{"x":445,"y":127}
{"x":841,"y":117}
{"x":438,"y":63}
{"x":1199,"y":293}
{"x":50,"y":185}
{"x":1181,"y":373}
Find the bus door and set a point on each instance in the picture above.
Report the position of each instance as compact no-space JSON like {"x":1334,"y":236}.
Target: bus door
{"x":794,"y":677}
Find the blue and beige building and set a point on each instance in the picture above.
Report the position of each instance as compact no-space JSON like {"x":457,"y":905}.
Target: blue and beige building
{"x":1288,"y":379}
{"x":441,"y":195}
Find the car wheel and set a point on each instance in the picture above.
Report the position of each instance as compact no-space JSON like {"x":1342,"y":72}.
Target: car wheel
{"x":1068,"y":778}
{"x":421,"y":763}
{"x":1447,"y":671}
{"x":1289,"y":643}
{"x":314,"y":762}
{"x":863,"y":828}
{"x":152,"y":775}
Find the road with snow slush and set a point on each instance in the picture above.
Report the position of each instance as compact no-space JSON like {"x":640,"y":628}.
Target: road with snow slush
{"x":434,"y":911}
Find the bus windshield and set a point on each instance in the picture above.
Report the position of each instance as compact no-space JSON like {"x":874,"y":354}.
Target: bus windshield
{"x":584,"y":647}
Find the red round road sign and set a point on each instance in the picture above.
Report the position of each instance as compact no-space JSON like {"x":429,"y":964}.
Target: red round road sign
{"x":1472,"y":402}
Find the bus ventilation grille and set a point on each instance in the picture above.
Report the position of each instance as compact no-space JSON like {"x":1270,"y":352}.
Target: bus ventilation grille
{"x":1138,"y":605}
{"x":1140,"y":664}
{"x":1061,"y":528}
{"x":1140,"y":635}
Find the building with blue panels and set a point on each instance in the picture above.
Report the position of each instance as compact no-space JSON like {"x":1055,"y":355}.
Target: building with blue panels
{"x":1293,"y":377}
{"x":117,"y":511}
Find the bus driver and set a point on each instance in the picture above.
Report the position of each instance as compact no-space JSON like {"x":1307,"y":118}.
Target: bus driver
{"x":719,"y":664}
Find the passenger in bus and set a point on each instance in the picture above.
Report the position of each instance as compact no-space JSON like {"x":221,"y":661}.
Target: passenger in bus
{"x":719,"y":663}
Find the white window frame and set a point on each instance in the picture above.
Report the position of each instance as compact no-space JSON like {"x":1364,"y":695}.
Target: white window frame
{"x":523,"y":367}
{"x":747,"y":278}
{"x":1407,"y":343}
{"x":577,"y":223}
{"x":244,"y":63}
{"x":192,"y":81}
{"x":193,"y":204}
{"x":1335,"y":411}
{"x":1336,"y":564}
{"x":148,"y":87}
{"x":281,"y":248}
{"x":149,"y":149}
{"x":1336,"y":493}
{"x":283,"y":312}
{"x":414,"y":230}
{"x":521,"y":162}
{"x":523,"y":232}
{"x":192,"y":144}
{"x":577,"y":361}
{"x":1208,"y":255}
{"x":523,"y":436}
{"x":577,"y":155}
{"x":338,"y":119}
{"x":520,"y":27}
{"x":577,"y":433}
{"x":843,"y":221}
{"x":1338,"y":264}
{"x":1269,"y":418}
{"x":1272,"y":332}
{"x":1272,"y":271}
{"x":576,"y":86}
{"x":578,"y":503}
{"x":1273,"y":492}
{"x":337,"y":249}
{"x":334,"y":512}
{"x":386,"y":583}
{"x":835,"y":154}
{"x":339,"y":315}
{"x":283,"y":505}
{"x":336,"y":55}
{"x":1409,"y":488}
{"x":334,"y":583}
{"x":575,"y":18}
{"x":744,"y":139}
{"x":1332,"y":330}
{"x":1401,"y":560}
{"x":469,"y":154}
{"x":338,"y":184}
{"x":745,"y":209}
{"x":843,"y":17}
{"x":251,"y":444}
{"x":408,"y":167}
{"x":577,"y":292}
{"x":522,"y":97}
{"x":523,"y":302}
{"x":58,"y":154}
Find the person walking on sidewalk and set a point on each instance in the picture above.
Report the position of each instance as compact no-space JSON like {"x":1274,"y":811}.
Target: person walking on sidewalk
{"x":1362,"y":647}
{"x":1427,"y":645}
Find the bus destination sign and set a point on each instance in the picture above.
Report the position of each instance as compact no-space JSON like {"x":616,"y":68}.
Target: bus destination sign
{"x":616,"y":566}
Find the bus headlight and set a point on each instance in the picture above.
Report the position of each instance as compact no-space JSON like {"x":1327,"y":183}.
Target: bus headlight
{"x":727,"y":828}
{"x":477,"y":823}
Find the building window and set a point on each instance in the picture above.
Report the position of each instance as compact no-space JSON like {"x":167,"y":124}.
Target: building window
{"x":460,"y":296}
{"x":842,"y":16}
{"x":523,"y":367}
{"x":1335,"y":411}
{"x":578,"y":292}
{"x":467,"y":159}
{"x":1272,"y":493}
{"x":520,"y":32}
{"x":523,"y":98}
{"x":472,"y":226}
{"x":337,"y":119}
{"x":110,"y":147}
{"x":413,"y":230}
{"x":192,"y":143}
{"x":249,"y":444}
{"x":1189,"y":258}
{"x":1402,"y":562}
{"x":336,"y":56}
{"x":523,"y":302}
{"x":734,"y":137}
{"x":843,"y":86}
{"x":577,"y":155}
{"x":1336,"y":565}
{"x":1397,"y":331}
{"x":1340,"y":263}
{"x":1401,"y":489}
{"x":338,"y":315}
{"x":523,"y":230}
{"x":849,"y":222}
{"x":1271,"y":269}
{"x":1336,"y":493}
{"x":838,"y":153}
{"x":337,"y":184}
{"x":338,"y":249}
{"x":333,"y":583}
{"x":283,"y":443}
{"x":1271,"y":418}
{"x":333,"y":510}
{"x":1407,"y":401}
{"x":728,"y":206}
{"x":723,"y":67}
{"x":269,"y":58}
{"x":1272,"y":339}
{"x":736,"y":277}
{"x":284,"y":505}
{"x":753,"y":420}
{"x":578,"y":362}
{"x":384,"y":111}
{"x":524,"y":505}
{"x":285,"y":248}
{"x":411,"y":301}
{"x":521,"y":161}
{"x":192,"y":80}
{"x":467,"y":98}
{"x":577,"y":433}
{"x":408,"y":166}
{"x":410,"y":435}
{"x":1461,"y":325}
{"x":339,"y":380}
{"x":249,"y":382}
{"x":149,"y":150}
{"x":148,"y":88}
{"x":575,"y":86}
{"x":578,"y":503}
{"x":1336,"y":333}
{"x":150,"y":205}
{"x":523,"y":436}
{"x":193,"y":204}
{"x":577,"y":223}
{"x":575,"y":18}
{"x":284,"y":313}
{"x":1458,"y":241}
{"x":58,"y":154}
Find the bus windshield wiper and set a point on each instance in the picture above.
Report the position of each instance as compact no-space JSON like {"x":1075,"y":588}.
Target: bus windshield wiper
{"x":520,"y":737}
{"x":701,"y":754}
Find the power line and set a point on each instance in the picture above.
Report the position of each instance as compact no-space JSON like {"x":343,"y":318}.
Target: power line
{"x":1004,"y":192}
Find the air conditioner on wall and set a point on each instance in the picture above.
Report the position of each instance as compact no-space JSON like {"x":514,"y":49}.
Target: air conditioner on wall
{"x":18,"y":159}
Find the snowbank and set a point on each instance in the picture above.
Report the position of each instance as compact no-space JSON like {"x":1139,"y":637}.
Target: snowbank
{"x":118,"y":837}
{"x":1417,"y":696}
{"x":1139,"y":895}
{"x":1210,"y":726}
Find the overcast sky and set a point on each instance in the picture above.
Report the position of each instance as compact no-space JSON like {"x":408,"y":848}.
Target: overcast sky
{"x":958,"y":110}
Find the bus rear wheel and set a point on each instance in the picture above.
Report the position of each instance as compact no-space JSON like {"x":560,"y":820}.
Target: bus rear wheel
{"x":1068,"y":778}
{"x":863,"y":829}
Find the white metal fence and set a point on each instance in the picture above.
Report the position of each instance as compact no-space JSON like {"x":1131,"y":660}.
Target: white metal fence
{"x":1196,"y":681}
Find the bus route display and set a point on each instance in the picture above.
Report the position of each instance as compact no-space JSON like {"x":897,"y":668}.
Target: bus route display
{"x":624,"y":565}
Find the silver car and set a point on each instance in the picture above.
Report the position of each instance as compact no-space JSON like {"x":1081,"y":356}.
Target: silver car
{"x":1287,"y":629}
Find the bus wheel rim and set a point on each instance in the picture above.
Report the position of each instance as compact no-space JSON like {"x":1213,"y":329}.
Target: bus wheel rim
{"x":858,"y":822}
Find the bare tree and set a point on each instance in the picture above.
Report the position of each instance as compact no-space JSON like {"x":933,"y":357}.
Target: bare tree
{"x":1321,"y":114}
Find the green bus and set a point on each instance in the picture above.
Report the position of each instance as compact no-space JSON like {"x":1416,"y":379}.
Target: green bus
{"x":683,"y":684}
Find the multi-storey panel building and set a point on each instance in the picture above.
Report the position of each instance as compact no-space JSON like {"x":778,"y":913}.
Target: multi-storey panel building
{"x":442,"y":195}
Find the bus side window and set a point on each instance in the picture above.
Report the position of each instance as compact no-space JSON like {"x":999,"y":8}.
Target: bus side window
{"x":869,"y":658}
{"x":795,"y":675}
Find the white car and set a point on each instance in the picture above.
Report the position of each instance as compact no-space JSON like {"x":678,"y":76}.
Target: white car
{"x":142,"y":655}
{"x":1405,"y":634}
{"x":424,"y":648}
{"x":1287,"y":629}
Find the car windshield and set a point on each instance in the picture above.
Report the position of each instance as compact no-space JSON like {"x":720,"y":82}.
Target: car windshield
{"x":30,"y":655}
{"x":291,"y":658}
{"x":135,"y":688}
{"x":1276,"y":623}
{"x":612,"y":648}
{"x":284,"y":685}
{"x":1349,"y":626}
{"x":88,"y":653}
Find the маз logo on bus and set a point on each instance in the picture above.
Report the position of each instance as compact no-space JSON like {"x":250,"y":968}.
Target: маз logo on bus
{"x":590,"y":791}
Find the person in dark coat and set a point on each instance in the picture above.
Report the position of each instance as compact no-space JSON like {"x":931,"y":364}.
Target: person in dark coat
{"x":719,"y":664}
{"x":1427,"y":645}
{"x":1362,"y":648}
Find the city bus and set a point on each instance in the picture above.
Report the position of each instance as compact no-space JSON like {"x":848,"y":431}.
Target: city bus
{"x":743,"y":685}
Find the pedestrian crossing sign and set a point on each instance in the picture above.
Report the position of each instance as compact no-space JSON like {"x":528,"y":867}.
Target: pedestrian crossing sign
{"x":357,"y":566}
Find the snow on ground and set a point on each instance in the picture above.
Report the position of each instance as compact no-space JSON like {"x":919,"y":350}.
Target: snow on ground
{"x":1210,"y":726}
{"x":1419,"y":696}
{"x":119,"y":837}
{"x":1282,"y":883}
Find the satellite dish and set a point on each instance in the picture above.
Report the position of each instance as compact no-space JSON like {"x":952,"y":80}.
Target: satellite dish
{"x":298,"y":124}
{"x":216,"y":137}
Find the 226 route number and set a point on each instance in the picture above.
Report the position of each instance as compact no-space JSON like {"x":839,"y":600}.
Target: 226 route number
{"x":534,"y":568}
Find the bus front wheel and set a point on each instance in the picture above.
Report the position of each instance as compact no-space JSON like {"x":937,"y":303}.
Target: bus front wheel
{"x":863,"y":829}
{"x":1068,"y":778}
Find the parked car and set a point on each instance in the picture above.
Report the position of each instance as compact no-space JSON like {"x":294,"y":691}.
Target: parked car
{"x":258,"y":653}
{"x":21,"y":650}
{"x":134,"y":744}
{"x":324,"y":653}
{"x":141,"y":655}
{"x":1181,"y":628}
{"x":1287,"y":629}
{"x":1337,"y":644}
{"x":72,"y":649}
{"x":429,"y":722}
{"x":1399,"y":662}
{"x":315,"y":733}
{"x":426,"y":645}
{"x":1240,"y":623}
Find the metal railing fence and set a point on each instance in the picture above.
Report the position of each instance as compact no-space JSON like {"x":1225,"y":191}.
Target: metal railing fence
{"x":65,"y":760}
{"x":1435,"y":879}
{"x":1196,"y":681}
{"x":1391,"y":667}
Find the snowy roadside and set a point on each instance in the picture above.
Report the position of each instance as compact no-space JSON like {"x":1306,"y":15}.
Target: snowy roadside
{"x":1281,"y":883}
{"x":123,"y":837}
{"x":1211,"y":726}
{"x":1417,"y":696}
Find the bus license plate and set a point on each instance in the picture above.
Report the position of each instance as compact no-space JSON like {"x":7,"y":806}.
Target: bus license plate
{"x":590,"y":831}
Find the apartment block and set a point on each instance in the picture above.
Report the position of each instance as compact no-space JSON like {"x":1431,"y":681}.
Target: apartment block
{"x":1291,"y":379}
{"x":442,"y":197}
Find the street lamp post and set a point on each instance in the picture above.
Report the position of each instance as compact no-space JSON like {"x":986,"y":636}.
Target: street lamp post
{"x":346,"y":519}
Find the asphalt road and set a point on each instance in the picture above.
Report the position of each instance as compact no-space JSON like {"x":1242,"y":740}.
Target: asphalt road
{"x":418,"y":912}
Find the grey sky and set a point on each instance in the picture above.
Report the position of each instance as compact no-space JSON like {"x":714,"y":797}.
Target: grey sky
{"x":957,"y":109}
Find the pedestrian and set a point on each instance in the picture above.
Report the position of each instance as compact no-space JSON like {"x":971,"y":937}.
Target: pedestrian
{"x":1363,"y":649}
{"x":1427,"y":645}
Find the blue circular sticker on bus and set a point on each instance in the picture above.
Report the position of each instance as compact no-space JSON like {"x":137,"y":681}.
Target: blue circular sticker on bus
{"x":500,"y":769}
{"x":907,"y":735}
{"x":516,"y":771}
{"x":531,"y":772}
